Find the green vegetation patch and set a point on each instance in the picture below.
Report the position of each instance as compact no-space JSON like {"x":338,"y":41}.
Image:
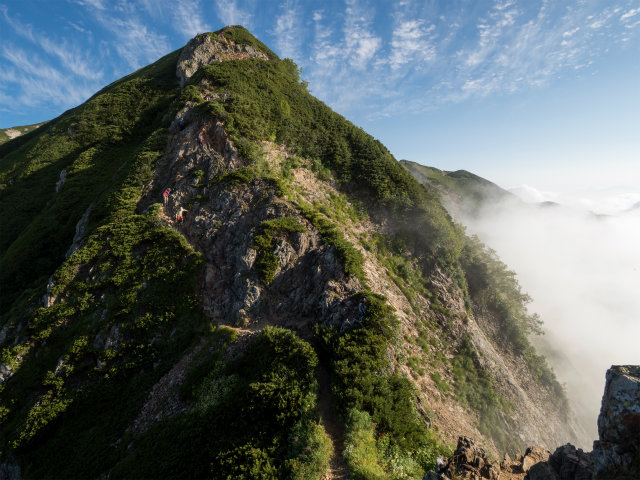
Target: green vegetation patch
{"x":107,"y":147}
{"x":351,"y":258}
{"x":7,"y":134}
{"x":240,"y":35}
{"x":267,"y":101}
{"x":254,"y":417}
{"x":264,"y":243}
{"x":364,"y":381}
{"x":474,"y":388}
{"x":126,"y":308}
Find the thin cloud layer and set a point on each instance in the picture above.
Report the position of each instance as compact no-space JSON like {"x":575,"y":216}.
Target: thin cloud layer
{"x":366,"y":57}
{"x":230,"y":13}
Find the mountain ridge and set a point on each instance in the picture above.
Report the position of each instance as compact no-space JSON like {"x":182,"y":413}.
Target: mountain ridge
{"x":294,"y":218}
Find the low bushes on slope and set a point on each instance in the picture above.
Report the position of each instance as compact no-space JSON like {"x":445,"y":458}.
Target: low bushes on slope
{"x":253,"y":417}
{"x":268,"y":102}
{"x":125,"y":310}
{"x":99,"y":144}
{"x":367,"y":390}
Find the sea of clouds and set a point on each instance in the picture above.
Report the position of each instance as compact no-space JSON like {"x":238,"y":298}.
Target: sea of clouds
{"x":579,"y":259}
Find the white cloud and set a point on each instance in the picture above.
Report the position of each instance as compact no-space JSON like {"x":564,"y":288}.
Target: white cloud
{"x":133,"y":41}
{"x":533,"y":195}
{"x":230,"y":14}
{"x":430,"y":57}
{"x":631,"y":13}
{"x":325,"y":53}
{"x":97,"y":4}
{"x":38,"y":82}
{"x":78,"y":27}
{"x":188,"y":18}
{"x":571,"y":33}
{"x":71,"y":56}
{"x":360,"y":40}
{"x":412,"y":42}
{"x":287,"y":33}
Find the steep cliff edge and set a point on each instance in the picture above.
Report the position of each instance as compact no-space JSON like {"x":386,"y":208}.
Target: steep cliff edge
{"x":289,"y":239}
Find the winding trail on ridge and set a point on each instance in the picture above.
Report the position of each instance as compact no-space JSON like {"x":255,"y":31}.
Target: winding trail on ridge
{"x":337,"y":466}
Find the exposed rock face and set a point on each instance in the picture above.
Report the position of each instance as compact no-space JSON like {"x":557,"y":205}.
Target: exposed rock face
{"x":616,"y":455}
{"x":10,"y":471}
{"x":222,"y":220}
{"x":618,"y":450}
{"x":534,"y":455}
{"x":566,"y":463}
{"x":468,"y":461}
{"x":205,"y":49}
{"x":61,"y":180}
{"x":80,"y":229}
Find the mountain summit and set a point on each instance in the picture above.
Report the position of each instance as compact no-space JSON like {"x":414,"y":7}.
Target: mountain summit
{"x":206,"y":272}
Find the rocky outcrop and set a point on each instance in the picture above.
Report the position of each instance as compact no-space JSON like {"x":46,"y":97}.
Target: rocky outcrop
{"x":615,"y":456}
{"x":617,"y":452}
{"x":224,"y":216}
{"x":468,"y":461}
{"x":81,"y":226}
{"x":566,"y":463}
{"x":61,"y":180}
{"x":10,"y":471}
{"x":209,"y":48}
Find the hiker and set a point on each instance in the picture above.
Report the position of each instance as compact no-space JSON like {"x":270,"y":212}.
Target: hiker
{"x":200,"y":138}
{"x":179,"y":217}
{"x":181,"y":123}
{"x":165,"y":196}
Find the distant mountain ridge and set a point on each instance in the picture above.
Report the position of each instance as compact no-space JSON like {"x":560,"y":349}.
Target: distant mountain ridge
{"x":461,"y":191}
{"x":10,"y":133}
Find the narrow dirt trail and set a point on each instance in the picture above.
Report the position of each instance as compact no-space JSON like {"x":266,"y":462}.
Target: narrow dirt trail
{"x":337,"y":466}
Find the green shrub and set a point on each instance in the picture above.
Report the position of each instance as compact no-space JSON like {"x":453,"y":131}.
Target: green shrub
{"x":310,"y":450}
{"x":360,"y":451}
{"x":350,"y":258}
{"x":253,"y":417}
{"x":264,"y":244}
{"x":238,"y":176}
{"x":492,"y":286}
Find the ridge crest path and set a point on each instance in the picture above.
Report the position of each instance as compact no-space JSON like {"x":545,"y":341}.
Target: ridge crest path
{"x":337,"y":466}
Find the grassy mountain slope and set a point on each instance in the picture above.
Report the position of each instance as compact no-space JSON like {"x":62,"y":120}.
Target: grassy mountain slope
{"x":129,"y":336}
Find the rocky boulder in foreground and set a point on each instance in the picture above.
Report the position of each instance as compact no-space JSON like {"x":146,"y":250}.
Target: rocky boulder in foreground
{"x":617,"y":453}
{"x":615,"y":456}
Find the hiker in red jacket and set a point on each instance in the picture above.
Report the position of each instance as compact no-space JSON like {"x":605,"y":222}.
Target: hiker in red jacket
{"x":165,"y":195}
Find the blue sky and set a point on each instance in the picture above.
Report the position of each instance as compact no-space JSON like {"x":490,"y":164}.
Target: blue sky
{"x":543,"y":92}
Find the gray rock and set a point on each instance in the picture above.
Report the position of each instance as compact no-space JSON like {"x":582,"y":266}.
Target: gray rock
{"x":534,"y":455}
{"x":6,"y":371}
{"x":571,"y":463}
{"x":3,"y":333}
{"x":432,"y":476}
{"x":619,"y":420}
{"x":205,"y":49}
{"x":61,"y":180}
{"x":10,"y":471}
{"x":617,"y":452}
{"x":80,"y":229}
{"x":48,"y":299}
{"x":542,"y":471}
